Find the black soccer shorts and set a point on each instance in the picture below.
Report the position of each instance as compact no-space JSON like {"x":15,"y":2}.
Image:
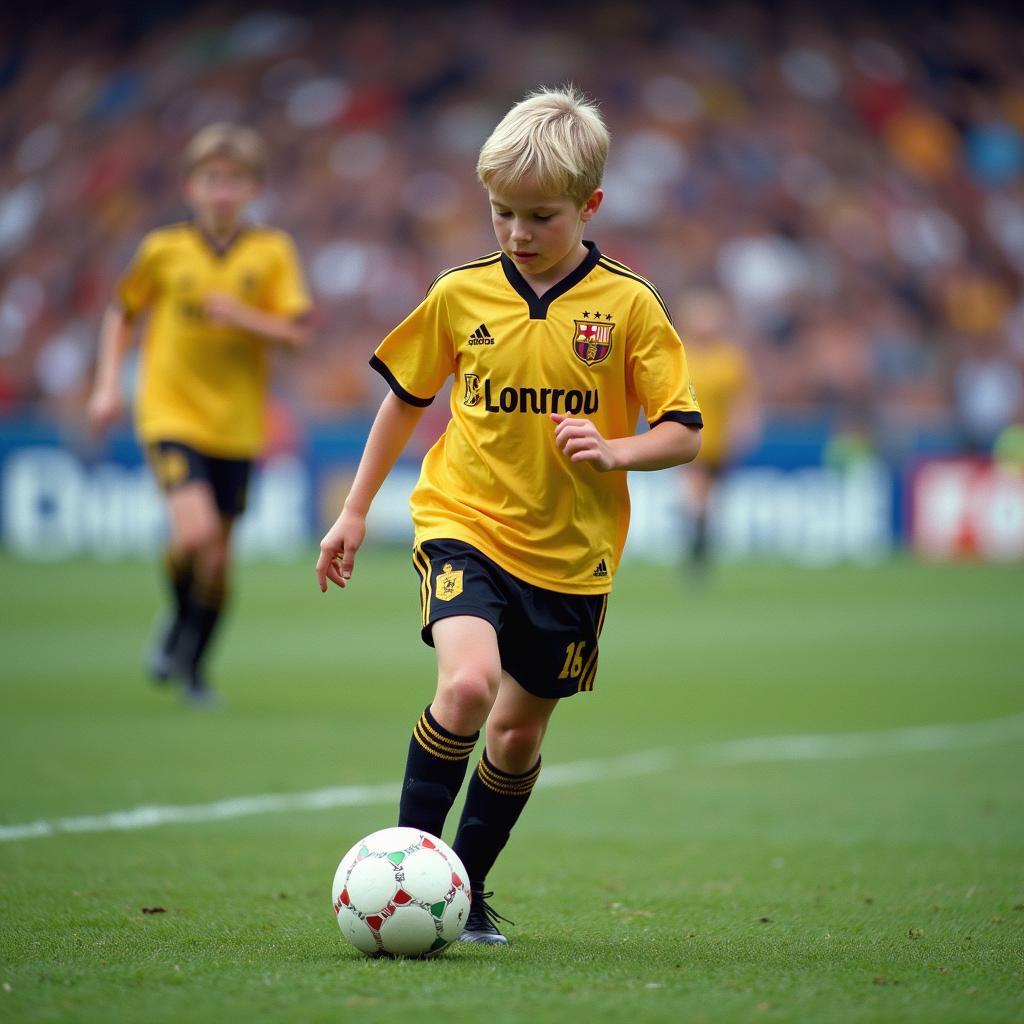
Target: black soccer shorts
{"x":175,"y":464}
{"x":548,"y":641}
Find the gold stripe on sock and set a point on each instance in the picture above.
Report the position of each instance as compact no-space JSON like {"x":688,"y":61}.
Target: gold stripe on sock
{"x":440,"y":746}
{"x":437,"y":751}
{"x":457,"y":742}
{"x":507,"y":785}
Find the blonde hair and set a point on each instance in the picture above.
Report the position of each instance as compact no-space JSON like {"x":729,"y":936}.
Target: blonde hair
{"x":554,"y":135}
{"x":231,"y":140}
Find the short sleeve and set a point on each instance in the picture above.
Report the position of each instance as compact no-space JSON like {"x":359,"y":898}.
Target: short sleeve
{"x":287,"y":294}
{"x":137,"y":286}
{"x":418,"y":356}
{"x":657,"y":370}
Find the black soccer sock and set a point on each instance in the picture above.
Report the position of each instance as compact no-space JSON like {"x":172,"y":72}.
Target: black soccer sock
{"x":434,"y":772}
{"x":179,"y":568}
{"x":494,"y":801}
{"x":202,"y":615}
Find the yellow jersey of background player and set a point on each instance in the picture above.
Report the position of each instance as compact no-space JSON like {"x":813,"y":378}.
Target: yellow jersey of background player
{"x":599,"y":345}
{"x":726,"y":388}
{"x":204,"y":382}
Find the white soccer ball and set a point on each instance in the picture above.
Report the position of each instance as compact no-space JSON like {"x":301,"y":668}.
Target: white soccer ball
{"x":400,"y":892}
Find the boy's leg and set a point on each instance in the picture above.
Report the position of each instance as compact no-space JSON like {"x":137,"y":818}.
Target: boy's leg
{"x":174,"y":467}
{"x":199,"y":532}
{"x":468,"y":680}
{"x":499,"y":790}
{"x":179,"y":570}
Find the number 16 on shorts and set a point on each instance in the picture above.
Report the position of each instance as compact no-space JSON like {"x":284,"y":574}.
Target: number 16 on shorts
{"x":580,"y":664}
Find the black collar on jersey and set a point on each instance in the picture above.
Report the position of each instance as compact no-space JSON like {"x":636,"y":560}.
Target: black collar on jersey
{"x":539,"y":303}
{"x":220,"y":250}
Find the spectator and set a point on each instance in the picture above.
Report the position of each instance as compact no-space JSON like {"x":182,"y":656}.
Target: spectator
{"x":856,"y":187}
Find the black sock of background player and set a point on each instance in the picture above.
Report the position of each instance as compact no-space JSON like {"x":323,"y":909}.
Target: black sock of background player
{"x":180,"y":571}
{"x":434,"y":772}
{"x":494,"y":801}
{"x":202,"y":615}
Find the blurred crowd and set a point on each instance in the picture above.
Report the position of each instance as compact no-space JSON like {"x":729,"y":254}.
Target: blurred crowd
{"x":853,"y":184}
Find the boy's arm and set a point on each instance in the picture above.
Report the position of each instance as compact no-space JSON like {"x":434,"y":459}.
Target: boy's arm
{"x":291,"y":332}
{"x":105,"y":403}
{"x":391,"y":430}
{"x":665,"y":445}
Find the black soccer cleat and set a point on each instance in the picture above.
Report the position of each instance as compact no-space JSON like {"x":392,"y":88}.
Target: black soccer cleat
{"x":482,"y":922}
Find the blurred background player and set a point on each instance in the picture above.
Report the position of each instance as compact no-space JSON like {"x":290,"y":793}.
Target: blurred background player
{"x":218,"y":292}
{"x":724,"y":378}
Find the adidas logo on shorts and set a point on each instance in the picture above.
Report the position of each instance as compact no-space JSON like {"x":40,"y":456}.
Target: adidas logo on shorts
{"x":481,"y":336}
{"x":602,"y":568}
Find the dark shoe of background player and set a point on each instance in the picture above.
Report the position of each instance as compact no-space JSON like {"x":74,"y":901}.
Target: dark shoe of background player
{"x":162,"y":659}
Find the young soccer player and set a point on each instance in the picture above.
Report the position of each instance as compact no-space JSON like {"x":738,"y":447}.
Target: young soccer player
{"x":218,"y":292}
{"x":729,"y":400}
{"x":521,"y":508}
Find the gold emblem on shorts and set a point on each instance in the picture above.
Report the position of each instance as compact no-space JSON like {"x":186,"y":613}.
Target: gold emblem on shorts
{"x":449,"y":583}
{"x":171,"y":467}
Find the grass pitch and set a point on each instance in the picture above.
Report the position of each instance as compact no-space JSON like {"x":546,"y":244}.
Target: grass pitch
{"x":874,"y":887}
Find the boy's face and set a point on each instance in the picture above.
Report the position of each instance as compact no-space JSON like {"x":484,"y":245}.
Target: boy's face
{"x":540,"y":233}
{"x":218,"y":190}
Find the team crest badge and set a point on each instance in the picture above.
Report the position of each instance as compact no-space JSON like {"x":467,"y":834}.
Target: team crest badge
{"x":592,"y":341}
{"x":472,"y":394}
{"x":449,"y":583}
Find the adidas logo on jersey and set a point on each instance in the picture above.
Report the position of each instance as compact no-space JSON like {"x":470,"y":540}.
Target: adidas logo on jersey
{"x":481,"y":336}
{"x":602,"y":569}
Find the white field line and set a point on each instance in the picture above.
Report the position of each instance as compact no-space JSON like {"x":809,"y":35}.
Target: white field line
{"x":753,"y":750}
{"x":833,"y":746}
{"x":649,"y":762}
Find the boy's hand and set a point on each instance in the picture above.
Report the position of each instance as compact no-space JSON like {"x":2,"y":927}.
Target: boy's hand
{"x":104,"y":408}
{"x":338,"y":549}
{"x":225,"y":309}
{"x":582,"y":442}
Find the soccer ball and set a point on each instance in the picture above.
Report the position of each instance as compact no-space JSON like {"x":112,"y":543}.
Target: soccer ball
{"x":400,"y":892}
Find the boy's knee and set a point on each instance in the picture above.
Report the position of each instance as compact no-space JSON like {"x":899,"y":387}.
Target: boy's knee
{"x":198,"y":538}
{"x":215,"y":557}
{"x":210,"y":555}
{"x":514,"y":746}
{"x":464,"y":698}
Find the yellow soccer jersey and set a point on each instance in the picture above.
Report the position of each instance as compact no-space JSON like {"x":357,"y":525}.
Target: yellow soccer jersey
{"x":723,"y":372}
{"x":599,"y":345}
{"x":204,"y":384}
